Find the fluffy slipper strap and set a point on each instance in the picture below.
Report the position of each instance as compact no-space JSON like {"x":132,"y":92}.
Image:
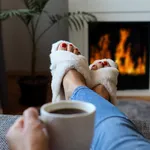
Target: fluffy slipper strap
{"x":61,"y":62}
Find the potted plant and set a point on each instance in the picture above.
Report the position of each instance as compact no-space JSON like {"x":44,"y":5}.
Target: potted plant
{"x":33,"y":87}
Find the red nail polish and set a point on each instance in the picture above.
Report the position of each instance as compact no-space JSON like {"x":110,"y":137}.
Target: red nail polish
{"x":71,"y":45}
{"x":64,"y":45}
{"x":105,"y":63}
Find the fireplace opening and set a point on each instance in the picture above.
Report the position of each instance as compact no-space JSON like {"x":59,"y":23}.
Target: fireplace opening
{"x":127,"y":44}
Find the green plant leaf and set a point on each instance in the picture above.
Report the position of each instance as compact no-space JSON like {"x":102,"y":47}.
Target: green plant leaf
{"x":88,"y":16}
{"x":33,"y":5}
{"x":36,"y":5}
{"x":81,"y":20}
{"x":26,"y":19}
{"x":73,"y":22}
{"x":81,"y":17}
{"x":70,"y":25}
{"x":53,"y":19}
{"x":42,"y":3}
{"x":75,"y":17}
{"x":18,"y":13}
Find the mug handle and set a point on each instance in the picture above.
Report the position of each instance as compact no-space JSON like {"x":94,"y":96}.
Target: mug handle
{"x":40,"y":118}
{"x":44,"y":128}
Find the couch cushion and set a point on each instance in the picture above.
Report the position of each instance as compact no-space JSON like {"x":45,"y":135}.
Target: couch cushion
{"x":5,"y":122}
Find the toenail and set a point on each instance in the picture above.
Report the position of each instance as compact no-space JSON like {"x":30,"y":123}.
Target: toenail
{"x":64,"y":45}
{"x":71,"y":45}
{"x":93,"y":66}
{"x":105,"y":63}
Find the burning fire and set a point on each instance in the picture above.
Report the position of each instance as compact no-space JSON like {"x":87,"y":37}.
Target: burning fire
{"x":123,"y":57}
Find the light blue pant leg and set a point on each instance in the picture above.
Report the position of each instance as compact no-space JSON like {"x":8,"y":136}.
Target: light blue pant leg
{"x":113,"y":130}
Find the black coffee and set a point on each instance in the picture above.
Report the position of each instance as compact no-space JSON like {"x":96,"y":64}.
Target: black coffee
{"x":68,"y":111}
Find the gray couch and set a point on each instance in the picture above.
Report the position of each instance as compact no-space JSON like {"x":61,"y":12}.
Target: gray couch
{"x":5,"y":122}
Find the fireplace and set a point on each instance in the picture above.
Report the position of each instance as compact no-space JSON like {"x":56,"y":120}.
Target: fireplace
{"x":127,"y":44}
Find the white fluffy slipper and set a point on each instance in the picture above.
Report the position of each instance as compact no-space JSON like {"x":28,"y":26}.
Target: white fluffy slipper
{"x":107,"y":76}
{"x":61,"y":62}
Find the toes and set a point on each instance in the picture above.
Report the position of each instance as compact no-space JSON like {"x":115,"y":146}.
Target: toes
{"x":76,"y":51}
{"x":70,"y":48}
{"x":100,"y":64}
{"x":94,"y":67}
{"x":79,"y":53}
{"x":106,"y":64}
{"x":62,"y":46}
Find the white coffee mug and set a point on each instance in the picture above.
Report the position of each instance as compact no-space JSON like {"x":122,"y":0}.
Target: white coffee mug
{"x":69,"y":131}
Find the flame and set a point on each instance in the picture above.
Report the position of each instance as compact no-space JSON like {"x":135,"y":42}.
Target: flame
{"x":123,"y":57}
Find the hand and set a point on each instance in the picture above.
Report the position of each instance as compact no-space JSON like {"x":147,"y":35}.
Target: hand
{"x":28,"y":133}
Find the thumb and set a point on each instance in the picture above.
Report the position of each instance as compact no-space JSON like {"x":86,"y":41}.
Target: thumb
{"x":30,"y":117}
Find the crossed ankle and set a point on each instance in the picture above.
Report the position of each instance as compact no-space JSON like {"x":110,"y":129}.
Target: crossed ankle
{"x":102,"y":91}
{"x":71,"y":81}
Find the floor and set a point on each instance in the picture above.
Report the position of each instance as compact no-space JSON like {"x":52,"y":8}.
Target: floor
{"x":13,"y":106}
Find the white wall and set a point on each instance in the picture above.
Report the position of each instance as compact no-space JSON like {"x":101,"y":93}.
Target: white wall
{"x":17,"y":43}
{"x":110,"y":10}
{"x":109,"y":5}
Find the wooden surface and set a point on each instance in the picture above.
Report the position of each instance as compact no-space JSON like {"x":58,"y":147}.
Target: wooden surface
{"x":13,"y":106}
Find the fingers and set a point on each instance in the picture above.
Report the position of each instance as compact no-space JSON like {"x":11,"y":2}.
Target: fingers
{"x":30,"y":117}
{"x":18,"y":125}
{"x":32,"y":135}
{"x":15,"y":128}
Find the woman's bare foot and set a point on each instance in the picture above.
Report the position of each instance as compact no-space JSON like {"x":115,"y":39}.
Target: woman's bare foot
{"x":72,"y":79}
{"x":100,"y":89}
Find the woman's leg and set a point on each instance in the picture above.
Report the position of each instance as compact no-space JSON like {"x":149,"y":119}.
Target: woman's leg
{"x":113,"y":130}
